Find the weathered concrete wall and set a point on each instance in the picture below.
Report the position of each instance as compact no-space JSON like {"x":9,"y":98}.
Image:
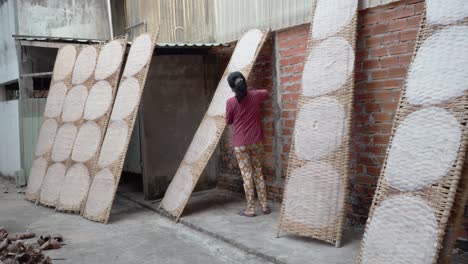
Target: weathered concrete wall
{"x":8,"y":61}
{"x":177,"y":93}
{"x":10,"y":160}
{"x":64,"y":18}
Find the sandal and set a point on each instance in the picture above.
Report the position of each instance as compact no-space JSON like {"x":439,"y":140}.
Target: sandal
{"x":266,"y":210}
{"x":243,"y":213}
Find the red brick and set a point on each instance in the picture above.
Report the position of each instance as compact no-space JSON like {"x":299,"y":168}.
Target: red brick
{"x":296,"y":60}
{"x":405,"y":12}
{"x":397,"y":25}
{"x":373,"y":107}
{"x":413,"y":22}
{"x":405,"y":59}
{"x":391,"y":38}
{"x":408,"y":35}
{"x":379,"y":52}
{"x":379,"y":95}
{"x":379,"y":29}
{"x":419,"y":8}
{"x":361,"y":118}
{"x":388,"y":62}
{"x":382,"y":117}
{"x":293,"y":88}
{"x":290,"y":97}
{"x":284,"y":62}
{"x":397,"y":72}
{"x":379,"y":74}
{"x":370,"y":19}
{"x":381,"y":139}
{"x":374,"y":41}
{"x":371,"y":64}
{"x":365,"y":180}
{"x":374,"y":170}
{"x":361,"y":54}
{"x":289,"y":123}
{"x":390,"y":106}
{"x":398,"y":49}
{"x":383,"y":84}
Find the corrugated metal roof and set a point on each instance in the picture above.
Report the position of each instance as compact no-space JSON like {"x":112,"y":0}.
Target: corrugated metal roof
{"x":81,"y":41}
{"x":57,"y":39}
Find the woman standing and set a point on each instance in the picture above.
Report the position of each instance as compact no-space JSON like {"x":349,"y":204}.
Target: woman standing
{"x":243,"y":112}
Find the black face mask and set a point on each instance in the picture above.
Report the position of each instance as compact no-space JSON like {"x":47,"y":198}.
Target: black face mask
{"x":238,"y":84}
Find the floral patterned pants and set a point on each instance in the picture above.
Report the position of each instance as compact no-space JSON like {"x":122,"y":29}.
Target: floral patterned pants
{"x":250,"y":163}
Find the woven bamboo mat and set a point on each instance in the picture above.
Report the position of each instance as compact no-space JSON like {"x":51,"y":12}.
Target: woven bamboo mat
{"x":318,"y":168}
{"x":81,"y":161}
{"x":61,"y":83}
{"x":68,"y":123}
{"x":212,"y":126}
{"x":422,"y":182}
{"x":107,"y":171}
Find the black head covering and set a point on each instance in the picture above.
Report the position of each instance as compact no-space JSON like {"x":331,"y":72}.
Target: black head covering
{"x":238,"y":84}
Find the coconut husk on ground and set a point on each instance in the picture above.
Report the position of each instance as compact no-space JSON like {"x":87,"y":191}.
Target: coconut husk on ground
{"x":13,"y":250}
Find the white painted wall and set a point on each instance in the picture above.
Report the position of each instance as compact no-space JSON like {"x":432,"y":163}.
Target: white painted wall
{"x":64,"y":18}
{"x":8,"y":61}
{"x":10,"y":153}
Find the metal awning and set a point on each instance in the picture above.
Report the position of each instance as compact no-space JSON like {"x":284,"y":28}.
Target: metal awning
{"x":57,"y":42}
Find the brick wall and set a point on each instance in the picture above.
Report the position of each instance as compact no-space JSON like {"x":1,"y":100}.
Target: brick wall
{"x":385,"y":44}
{"x":386,"y":37}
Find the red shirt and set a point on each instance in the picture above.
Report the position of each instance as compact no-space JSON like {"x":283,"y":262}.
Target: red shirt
{"x":245,"y":116}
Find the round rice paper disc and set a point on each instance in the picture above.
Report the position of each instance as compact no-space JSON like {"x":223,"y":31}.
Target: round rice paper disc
{"x":179,"y":189}
{"x":109,"y":60}
{"x":204,"y":137}
{"x":87,"y":142}
{"x":320,"y":127}
{"x":100,"y":195}
{"x":64,"y":142}
{"x":139,"y":55}
{"x":424,"y":148}
{"x":329,"y":66}
{"x":403,"y":229}
{"x":438,"y":73}
{"x":128,"y":97}
{"x":52,"y":184}
{"x":315,"y":195}
{"x":445,"y":12}
{"x":99,"y":101}
{"x":115,"y":142}
{"x":74,"y":104}
{"x":36,"y":176}
{"x":75,"y":187}
{"x":55,"y":99}
{"x":64,"y":62}
{"x":46,"y":137}
{"x":84,"y":66}
{"x":222,"y":94}
{"x":245,"y":50}
{"x":331,"y":16}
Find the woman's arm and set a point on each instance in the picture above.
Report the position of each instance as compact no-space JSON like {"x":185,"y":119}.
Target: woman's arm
{"x":262,"y":94}
{"x":229,"y":115}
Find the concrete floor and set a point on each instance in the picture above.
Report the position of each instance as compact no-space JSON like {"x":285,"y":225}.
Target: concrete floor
{"x":134,"y":235}
{"x":209,"y":232}
{"x":214,"y":212}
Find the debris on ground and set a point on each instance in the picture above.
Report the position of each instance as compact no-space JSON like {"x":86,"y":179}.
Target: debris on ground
{"x":14,"y":250}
